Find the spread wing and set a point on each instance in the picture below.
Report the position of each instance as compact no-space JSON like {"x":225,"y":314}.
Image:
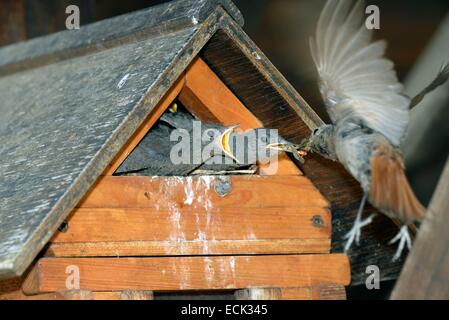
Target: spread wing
{"x":354,"y":75}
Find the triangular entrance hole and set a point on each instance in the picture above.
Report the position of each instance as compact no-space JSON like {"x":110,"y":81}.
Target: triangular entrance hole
{"x":201,"y":95}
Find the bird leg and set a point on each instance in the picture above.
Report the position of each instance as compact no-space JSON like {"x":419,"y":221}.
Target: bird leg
{"x":354,"y":234}
{"x":404,"y":238}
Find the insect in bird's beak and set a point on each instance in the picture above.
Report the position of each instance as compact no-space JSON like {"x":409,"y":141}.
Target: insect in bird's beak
{"x":297,"y":150}
{"x":225,"y":144}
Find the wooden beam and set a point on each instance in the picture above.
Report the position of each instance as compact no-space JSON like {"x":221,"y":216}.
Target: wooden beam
{"x":12,"y":22}
{"x":191,"y":248}
{"x":258,"y":294}
{"x":207,"y":97}
{"x":190,"y":273}
{"x":164,"y":192}
{"x":425,"y":274}
{"x":189,"y":231}
{"x":155,"y":114}
{"x":85,"y":295}
{"x":190,"y":224}
{"x":319,"y":292}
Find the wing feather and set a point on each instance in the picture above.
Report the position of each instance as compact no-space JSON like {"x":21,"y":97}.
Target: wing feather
{"x":354,"y":75}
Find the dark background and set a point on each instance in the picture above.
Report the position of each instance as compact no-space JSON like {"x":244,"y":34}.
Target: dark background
{"x":281,"y":28}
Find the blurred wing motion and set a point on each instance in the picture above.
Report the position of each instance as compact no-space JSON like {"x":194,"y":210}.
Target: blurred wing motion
{"x":355,"y":79}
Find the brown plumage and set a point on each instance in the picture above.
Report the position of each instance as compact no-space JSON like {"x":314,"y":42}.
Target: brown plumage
{"x":369,"y":113}
{"x":390,"y":190}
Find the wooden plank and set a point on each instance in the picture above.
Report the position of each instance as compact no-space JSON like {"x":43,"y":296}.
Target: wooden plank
{"x":206,"y":96}
{"x":11,"y":289}
{"x":190,"y":273}
{"x":320,"y":292}
{"x":425,"y":275}
{"x":84,"y":295}
{"x":258,"y":294}
{"x":205,"y":92}
{"x":101,"y":232}
{"x":150,"y":22}
{"x":193,"y":248}
{"x":195,"y":224}
{"x":154,"y":115}
{"x":163,"y":192}
{"x":12,"y":22}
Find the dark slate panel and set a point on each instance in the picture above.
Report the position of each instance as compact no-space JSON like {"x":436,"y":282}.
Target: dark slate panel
{"x":153,"y":21}
{"x":59,"y":126}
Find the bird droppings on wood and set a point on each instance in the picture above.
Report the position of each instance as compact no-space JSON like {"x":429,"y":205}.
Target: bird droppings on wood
{"x":122,"y":81}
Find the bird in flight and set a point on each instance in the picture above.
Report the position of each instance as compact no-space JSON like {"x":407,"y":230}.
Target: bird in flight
{"x":369,"y":114}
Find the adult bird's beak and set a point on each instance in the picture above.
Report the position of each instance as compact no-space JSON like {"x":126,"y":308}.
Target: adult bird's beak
{"x":225,"y":142}
{"x":297,"y":150}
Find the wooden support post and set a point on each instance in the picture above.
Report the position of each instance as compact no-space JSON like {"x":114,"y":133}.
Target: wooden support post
{"x":425,"y":274}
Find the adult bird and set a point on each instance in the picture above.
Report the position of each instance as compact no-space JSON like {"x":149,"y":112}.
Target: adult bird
{"x":369,"y":114}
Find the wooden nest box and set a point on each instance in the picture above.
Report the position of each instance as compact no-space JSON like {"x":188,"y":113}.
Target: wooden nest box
{"x":83,"y":101}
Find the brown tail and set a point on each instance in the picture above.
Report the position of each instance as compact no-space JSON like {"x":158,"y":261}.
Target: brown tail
{"x":390,"y":191}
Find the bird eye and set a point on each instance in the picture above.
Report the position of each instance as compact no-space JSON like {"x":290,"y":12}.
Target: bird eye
{"x":210,"y":134}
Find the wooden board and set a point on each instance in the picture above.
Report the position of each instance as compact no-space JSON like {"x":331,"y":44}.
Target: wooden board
{"x":142,"y":216}
{"x":189,"y":273}
{"x":190,"y":224}
{"x":143,"y":232}
{"x":12,"y":22}
{"x":176,"y":248}
{"x":319,"y":292}
{"x":162,"y":192}
{"x":425,"y":275}
{"x":82,"y":295}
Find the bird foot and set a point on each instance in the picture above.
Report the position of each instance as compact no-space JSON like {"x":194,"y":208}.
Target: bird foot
{"x":404,"y":239}
{"x":354,"y":234}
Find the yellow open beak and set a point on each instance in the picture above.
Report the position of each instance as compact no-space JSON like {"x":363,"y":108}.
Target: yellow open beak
{"x":225,"y":142}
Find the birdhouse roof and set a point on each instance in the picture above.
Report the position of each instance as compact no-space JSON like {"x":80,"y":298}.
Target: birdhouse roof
{"x":71,"y":100}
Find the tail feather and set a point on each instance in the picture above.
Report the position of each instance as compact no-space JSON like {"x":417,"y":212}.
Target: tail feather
{"x":390,"y":190}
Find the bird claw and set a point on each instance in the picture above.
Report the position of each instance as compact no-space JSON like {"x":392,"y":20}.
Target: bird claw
{"x":404,"y":238}
{"x":355,"y":233}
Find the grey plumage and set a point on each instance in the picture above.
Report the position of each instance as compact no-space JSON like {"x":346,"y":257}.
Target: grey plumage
{"x":152,"y":156}
{"x":369,"y":114}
